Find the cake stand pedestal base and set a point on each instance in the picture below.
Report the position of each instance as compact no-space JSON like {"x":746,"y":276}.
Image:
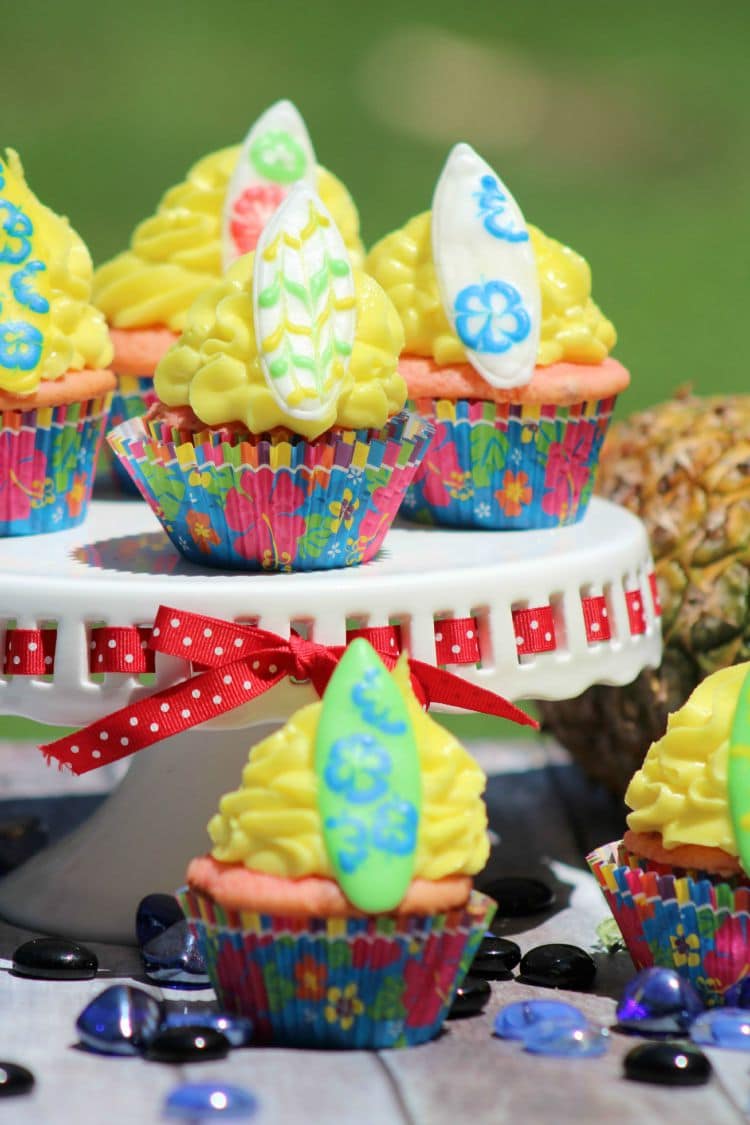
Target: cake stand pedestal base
{"x":88,"y":885}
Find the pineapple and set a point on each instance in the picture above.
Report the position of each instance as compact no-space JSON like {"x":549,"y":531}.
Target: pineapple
{"x":684,"y":468}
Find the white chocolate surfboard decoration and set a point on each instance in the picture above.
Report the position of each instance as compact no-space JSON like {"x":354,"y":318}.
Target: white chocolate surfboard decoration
{"x":486,"y":270}
{"x":275,"y":154}
{"x":304,"y":305}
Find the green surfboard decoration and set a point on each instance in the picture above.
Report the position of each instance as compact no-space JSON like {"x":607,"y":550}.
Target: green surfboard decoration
{"x":739,"y":773}
{"x":369,"y":781}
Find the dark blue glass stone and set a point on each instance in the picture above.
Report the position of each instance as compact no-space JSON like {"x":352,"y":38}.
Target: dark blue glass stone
{"x":658,"y":1001}
{"x":558,"y":966}
{"x":174,"y":957}
{"x":20,"y":838}
{"x":122,"y":1020}
{"x":238,"y":1029}
{"x":667,"y":1064}
{"x":14,"y":1080}
{"x":722,"y":1027}
{"x":471,"y":997}
{"x":516,"y":1021}
{"x":210,"y":1101}
{"x":581,"y":1040}
{"x":155,"y":914}
{"x":54,"y":959}
{"x":495,"y":958}
{"x":187,"y":1044}
{"x":517,"y":896}
{"x":738,"y":996}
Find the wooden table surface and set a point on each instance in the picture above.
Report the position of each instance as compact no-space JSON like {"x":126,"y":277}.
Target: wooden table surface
{"x":544,"y":815}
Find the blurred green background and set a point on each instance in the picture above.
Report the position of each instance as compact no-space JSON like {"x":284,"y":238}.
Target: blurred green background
{"x":622,"y":129}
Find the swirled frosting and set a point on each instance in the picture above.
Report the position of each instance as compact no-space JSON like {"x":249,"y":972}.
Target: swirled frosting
{"x":272,"y":824}
{"x":215,"y":367}
{"x":573,"y":328}
{"x":176,"y":254}
{"x":681,"y":789}
{"x":46,"y":310}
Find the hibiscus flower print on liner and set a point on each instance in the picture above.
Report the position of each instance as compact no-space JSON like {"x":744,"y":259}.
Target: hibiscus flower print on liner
{"x":201,"y":532}
{"x":515,"y":494}
{"x":264,"y":509}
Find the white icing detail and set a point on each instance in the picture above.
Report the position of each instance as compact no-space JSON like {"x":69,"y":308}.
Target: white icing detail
{"x":482,"y":260}
{"x":281,"y":118}
{"x":303,"y":306}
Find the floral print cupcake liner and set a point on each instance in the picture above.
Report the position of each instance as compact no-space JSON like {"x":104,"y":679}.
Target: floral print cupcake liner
{"x":280,"y":505}
{"x":132,"y":397}
{"x":507,"y":466}
{"x":47,"y":459}
{"x":692,"y":921}
{"x":371,"y":982}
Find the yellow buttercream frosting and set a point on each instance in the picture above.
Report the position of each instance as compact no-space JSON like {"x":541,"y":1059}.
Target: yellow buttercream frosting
{"x":573,"y":329}
{"x":45,"y":291}
{"x":176,"y":254}
{"x":272,"y":824}
{"x":215,"y":367}
{"x":681,"y":789}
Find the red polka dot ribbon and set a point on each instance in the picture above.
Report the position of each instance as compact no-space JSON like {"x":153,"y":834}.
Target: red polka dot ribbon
{"x":241,"y":662}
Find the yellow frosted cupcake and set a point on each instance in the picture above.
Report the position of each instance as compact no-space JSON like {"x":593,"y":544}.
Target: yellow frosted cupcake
{"x":200,"y":226}
{"x":55,"y":388}
{"x":505,"y":352}
{"x":279,"y":440}
{"x":335,"y":908}
{"x":678,"y":884}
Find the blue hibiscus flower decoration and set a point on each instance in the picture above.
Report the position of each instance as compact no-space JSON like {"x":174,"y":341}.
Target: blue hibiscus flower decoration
{"x":491,"y":317}
{"x":17,"y":228}
{"x":20,"y":345}
{"x":492,"y":206}
{"x":358,"y":767}
{"x":394,"y":828}
{"x":22,"y":287}
{"x":351,"y":841}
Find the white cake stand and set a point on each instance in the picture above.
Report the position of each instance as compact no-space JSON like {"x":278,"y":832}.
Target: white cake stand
{"x":119,"y":567}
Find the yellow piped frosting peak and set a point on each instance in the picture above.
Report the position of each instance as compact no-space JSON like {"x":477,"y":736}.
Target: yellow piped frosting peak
{"x":271,"y":823}
{"x":215,"y":367}
{"x":681,"y":789}
{"x":572,"y":329}
{"x":45,"y":309}
{"x":176,"y":253}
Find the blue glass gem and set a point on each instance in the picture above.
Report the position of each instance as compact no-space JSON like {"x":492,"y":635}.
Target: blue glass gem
{"x":54,"y":959}
{"x":238,"y":1029}
{"x":174,"y":957}
{"x":658,"y":1002}
{"x":14,"y":1079}
{"x":187,"y":1044}
{"x":558,"y":965}
{"x":210,"y":1101}
{"x":579,"y":1040}
{"x":155,"y":914}
{"x":667,"y":1064}
{"x":495,"y":958}
{"x":471,"y":997}
{"x":516,"y":1021}
{"x":122,"y":1020}
{"x":516,"y":896}
{"x":722,"y":1027}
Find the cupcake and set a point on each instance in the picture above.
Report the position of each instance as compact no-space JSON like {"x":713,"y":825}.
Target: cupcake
{"x":200,"y":227}
{"x":55,"y":390}
{"x":279,"y":441}
{"x":336,"y":907}
{"x":505,"y":353}
{"x":678,"y":882}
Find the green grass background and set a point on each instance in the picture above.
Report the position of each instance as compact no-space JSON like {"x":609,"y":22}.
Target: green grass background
{"x":623,"y":130}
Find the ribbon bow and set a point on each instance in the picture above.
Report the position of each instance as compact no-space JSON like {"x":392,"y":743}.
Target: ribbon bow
{"x":240,"y":663}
